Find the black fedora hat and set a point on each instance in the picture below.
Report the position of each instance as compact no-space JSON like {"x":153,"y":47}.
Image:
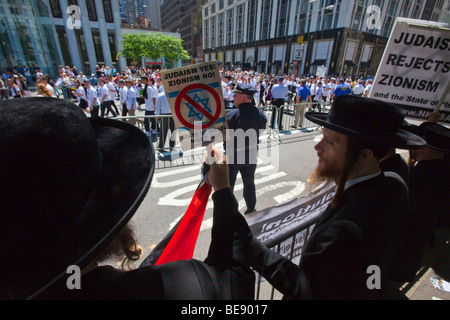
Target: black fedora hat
{"x":368,"y":119}
{"x":437,"y":136}
{"x":68,"y":185}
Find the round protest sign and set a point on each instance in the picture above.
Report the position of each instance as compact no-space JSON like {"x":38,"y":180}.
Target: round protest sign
{"x":197,"y":107}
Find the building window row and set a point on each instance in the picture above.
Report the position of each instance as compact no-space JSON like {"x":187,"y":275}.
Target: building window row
{"x":91,"y":9}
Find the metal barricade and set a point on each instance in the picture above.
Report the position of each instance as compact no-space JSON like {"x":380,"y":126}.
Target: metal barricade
{"x":289,"y":246}
{"x":289,"y":115}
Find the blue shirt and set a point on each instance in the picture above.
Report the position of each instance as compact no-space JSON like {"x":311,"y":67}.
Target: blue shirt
{"x":341,"y":90}
{"x":303,"y":92}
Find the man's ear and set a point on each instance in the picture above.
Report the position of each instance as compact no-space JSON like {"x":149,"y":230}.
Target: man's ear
{"x":365,"y":154}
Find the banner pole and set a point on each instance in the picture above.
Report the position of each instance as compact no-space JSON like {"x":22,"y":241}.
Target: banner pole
{"x":434,"y":116}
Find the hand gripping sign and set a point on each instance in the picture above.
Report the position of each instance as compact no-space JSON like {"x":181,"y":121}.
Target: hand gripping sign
{"x":195,"y":97}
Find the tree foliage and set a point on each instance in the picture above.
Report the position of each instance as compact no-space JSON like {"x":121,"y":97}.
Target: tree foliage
{"x":153,"y":46}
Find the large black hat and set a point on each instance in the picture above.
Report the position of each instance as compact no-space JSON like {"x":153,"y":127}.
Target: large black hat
{"x":68,"y":185}
{"x":368,"y":119}
{"x":437,"y":136}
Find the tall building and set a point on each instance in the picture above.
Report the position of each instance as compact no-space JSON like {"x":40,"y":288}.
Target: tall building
{"x":132,"y":9}
{"x":185,"y":17}
{"x":49,"y":33}
{"x":300,"y":36}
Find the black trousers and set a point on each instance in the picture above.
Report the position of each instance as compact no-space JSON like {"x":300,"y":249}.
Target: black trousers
{"x":166,"y":124}
{"x":106,"y":105}
{"x":248,"y":179}
{"x":124,"y":109}
{"x":147,"y":121}
{"x":94,"y":111}
{"x":113,"y":104}
{"x":277,"y":110}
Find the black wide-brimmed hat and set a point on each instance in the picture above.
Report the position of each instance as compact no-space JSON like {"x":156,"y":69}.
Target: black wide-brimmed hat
{"x":368,"y":119}
{"x":437,"y":136}
{"x":68,"y":185}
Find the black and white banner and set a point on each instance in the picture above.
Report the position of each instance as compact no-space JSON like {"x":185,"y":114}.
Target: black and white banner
{"x":277,"y":224}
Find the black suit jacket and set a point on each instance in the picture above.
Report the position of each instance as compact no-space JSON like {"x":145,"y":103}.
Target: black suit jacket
{"x":429,"y":190}
{"x":364,"y":230}
{"x":223,"y":275}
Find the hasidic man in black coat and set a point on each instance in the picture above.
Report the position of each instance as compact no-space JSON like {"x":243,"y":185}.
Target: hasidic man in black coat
{"x":70,"y":185}
{"x":352,"y":245}
{"x":429,"y":190}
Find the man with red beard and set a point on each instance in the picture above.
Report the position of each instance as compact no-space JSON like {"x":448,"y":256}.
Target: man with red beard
{"x":354,"y":241}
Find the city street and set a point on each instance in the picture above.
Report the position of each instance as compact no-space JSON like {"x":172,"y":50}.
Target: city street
{"x":172,"y":188}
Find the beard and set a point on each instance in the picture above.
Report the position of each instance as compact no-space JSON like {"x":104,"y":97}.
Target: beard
{"x":318,"y":179}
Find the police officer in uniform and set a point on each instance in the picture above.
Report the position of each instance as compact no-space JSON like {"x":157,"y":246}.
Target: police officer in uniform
{"x":242,"y":147}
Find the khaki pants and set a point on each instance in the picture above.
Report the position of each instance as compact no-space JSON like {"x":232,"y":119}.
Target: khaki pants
{"x":300,"y":115}
{"x":132,"y":113}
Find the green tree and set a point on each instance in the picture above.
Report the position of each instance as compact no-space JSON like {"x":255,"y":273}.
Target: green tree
{"x":173,"y":49}
{"x":132,"y":47}
{"x":153,"y":46}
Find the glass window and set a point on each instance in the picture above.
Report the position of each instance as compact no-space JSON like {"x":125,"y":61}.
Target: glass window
{"x":108,"y":11}
{"x":92,"y":11}
{"x":42,"y":9}
{"x":112,"y":46}
{"x":240,"y":24}
{"x":83,"y":50}
{"x":251,"y":25}
{"x":282,"y":18}
{"x":221,"y":29}
{"x":64,"y":45}
{"x":98,"y":46}
{"x":56,"y":9}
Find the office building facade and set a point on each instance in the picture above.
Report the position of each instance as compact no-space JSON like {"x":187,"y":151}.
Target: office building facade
{"x":185,"y":17}
{"x":49,"y":33}
{"x":305,"y":37}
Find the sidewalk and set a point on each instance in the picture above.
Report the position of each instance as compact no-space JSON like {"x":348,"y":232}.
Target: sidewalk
{"x":436,"y":266}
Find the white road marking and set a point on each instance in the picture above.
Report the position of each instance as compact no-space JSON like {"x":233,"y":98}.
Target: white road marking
{"x":298,"y":188}
{"x":170,"y":199}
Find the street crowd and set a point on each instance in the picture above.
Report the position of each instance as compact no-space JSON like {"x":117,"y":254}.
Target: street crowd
{"x":110,"y":93}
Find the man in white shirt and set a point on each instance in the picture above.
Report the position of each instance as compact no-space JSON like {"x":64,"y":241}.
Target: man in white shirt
{"x":123,"y":97}
{"x":131,"y":100}
{"x":318,"y":98}
{"x":280,"y":92}
{"x":150,"y":95}
{"x":326,"y":89}
{"x":112,"y":93}
{"x":160,"y":85}
{"x":104,"y":97}
{"x":92,"y":99}
{"x":225,"y":87}
{"x":368,"y":88}
{"x":358,"y":89}
{"x":163,"y":108}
